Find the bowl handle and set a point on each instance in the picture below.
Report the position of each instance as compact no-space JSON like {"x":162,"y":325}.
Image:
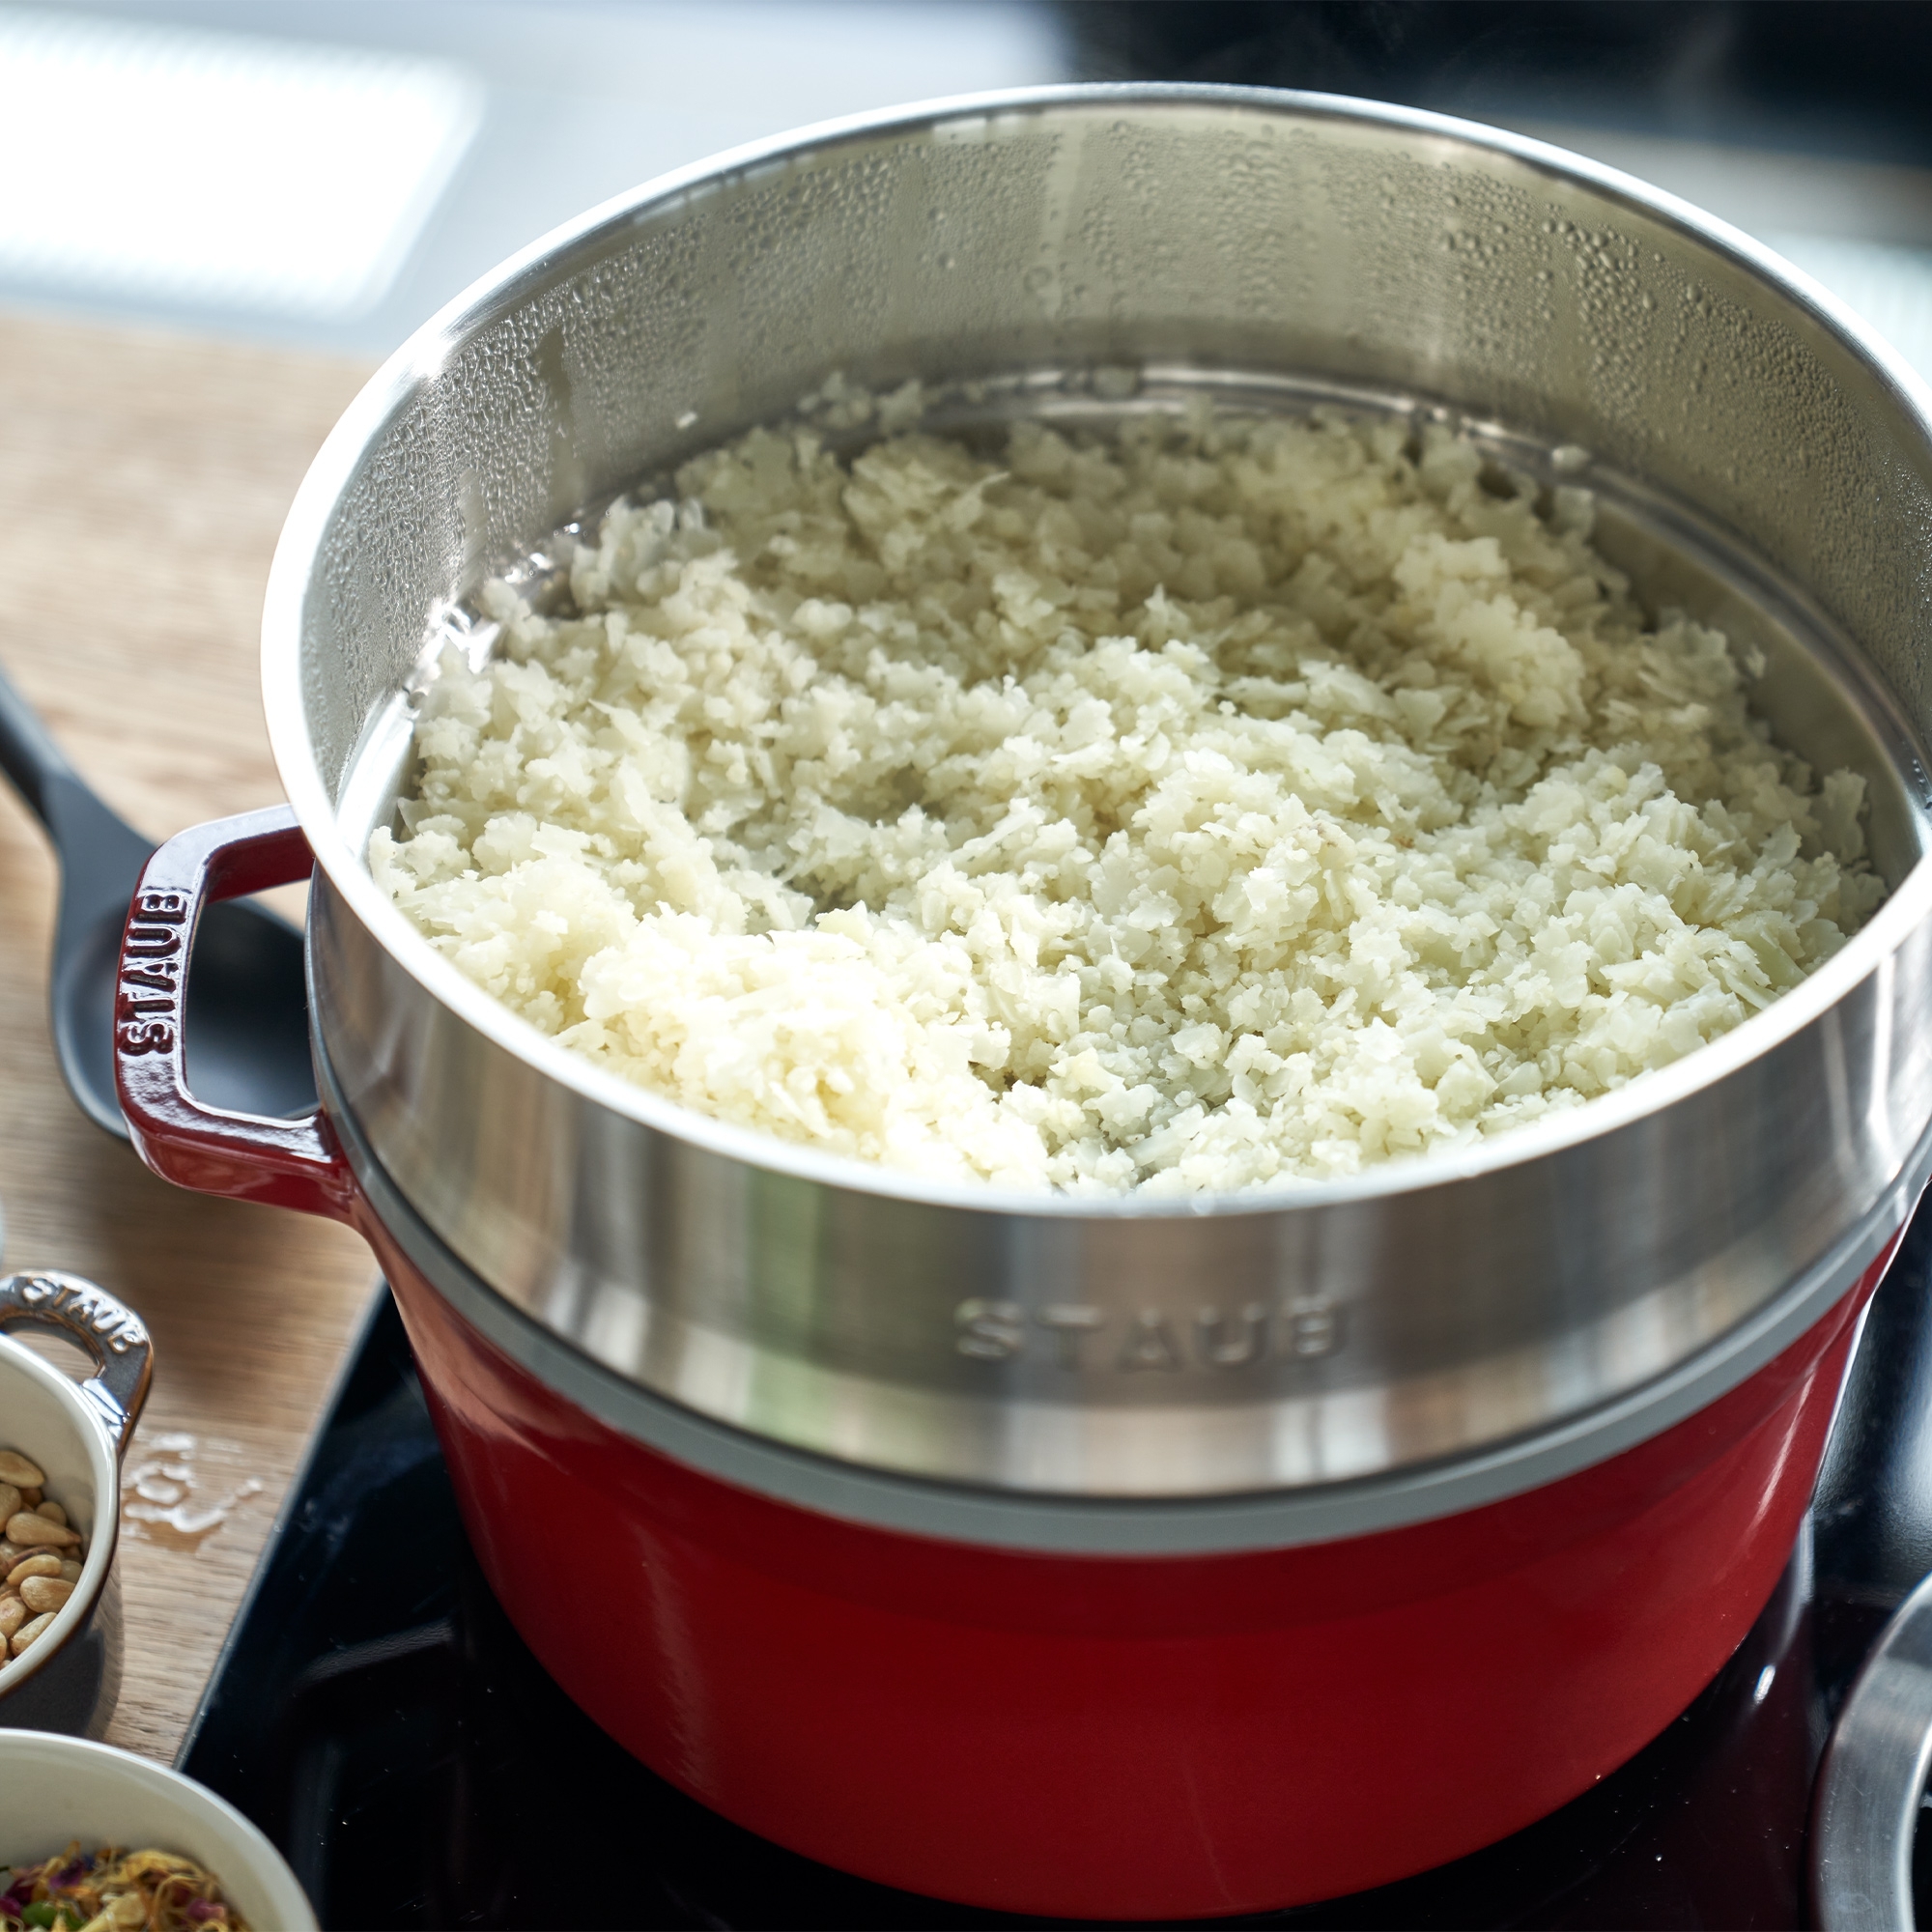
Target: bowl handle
{"x":112,"y":1333}
{"x":289,"y":1163}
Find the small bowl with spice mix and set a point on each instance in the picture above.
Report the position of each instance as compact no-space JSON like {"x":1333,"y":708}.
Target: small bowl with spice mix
{"x":93,"y":1840}
{"x":61,"y":1445}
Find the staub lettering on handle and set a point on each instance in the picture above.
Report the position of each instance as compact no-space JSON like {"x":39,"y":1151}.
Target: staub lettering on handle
{"x":1074,"y":1335}
{"x":99,"y":1313}
{"x":147,"y":1016}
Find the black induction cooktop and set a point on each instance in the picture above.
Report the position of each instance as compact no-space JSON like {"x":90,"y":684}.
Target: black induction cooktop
{"x":377,"y":1715}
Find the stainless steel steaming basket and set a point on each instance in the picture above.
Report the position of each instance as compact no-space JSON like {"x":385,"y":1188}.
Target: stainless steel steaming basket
{"x":1434,"y":1334}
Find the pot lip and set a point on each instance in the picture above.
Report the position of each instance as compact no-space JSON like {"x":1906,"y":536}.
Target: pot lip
{"x":418,"y":361}
{"x":104,"y":1466}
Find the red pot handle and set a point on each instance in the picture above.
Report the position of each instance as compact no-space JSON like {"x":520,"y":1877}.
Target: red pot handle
{"x":288,"y":1163}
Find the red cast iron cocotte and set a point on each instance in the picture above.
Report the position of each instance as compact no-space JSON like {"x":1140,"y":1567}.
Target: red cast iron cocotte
{"x":1111,"y":1556}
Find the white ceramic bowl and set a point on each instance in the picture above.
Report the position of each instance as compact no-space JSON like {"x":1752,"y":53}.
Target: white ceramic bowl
{"x":58,"y":1788}
{"x":77,"y":1432}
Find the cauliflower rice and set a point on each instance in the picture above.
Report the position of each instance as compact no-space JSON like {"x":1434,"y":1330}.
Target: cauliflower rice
{"x":1219,"y":802}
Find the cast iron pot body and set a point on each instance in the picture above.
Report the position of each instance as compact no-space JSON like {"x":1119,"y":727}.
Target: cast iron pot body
{"x":1097,"y":1558}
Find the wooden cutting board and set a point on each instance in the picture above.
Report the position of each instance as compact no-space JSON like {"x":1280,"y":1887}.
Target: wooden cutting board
{"x":143,"y":481}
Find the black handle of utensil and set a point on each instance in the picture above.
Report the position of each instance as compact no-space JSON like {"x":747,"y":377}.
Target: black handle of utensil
{"x":28,"y":754}
{"x":249,"y":1016}
{"x":100,"y":854}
